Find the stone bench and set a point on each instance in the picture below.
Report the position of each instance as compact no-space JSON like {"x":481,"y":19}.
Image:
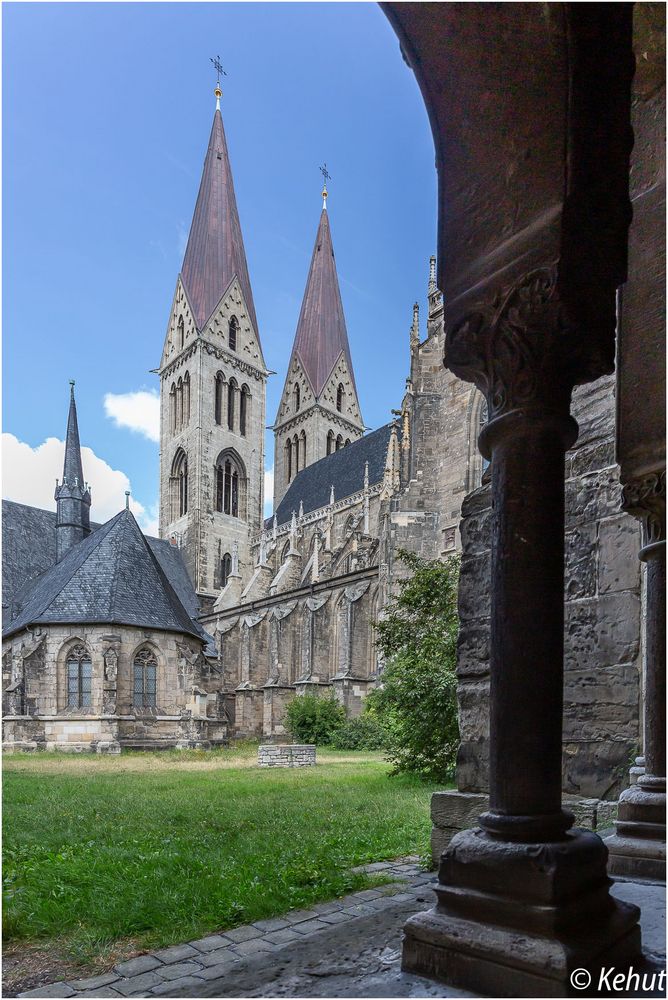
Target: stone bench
{"x":286,"y":755}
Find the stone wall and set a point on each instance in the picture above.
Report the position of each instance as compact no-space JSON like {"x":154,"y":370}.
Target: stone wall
{"x":286,"y":755}
{"x":602,"y":627}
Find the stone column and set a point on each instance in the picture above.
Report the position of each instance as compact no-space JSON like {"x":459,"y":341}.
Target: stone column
{"x":514,"y":892}
{"x":638,"y":848}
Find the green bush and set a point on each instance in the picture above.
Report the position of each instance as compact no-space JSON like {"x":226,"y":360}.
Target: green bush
{"x":364,"y":733}
{"x":314,"y":720}
{"x":417,"y":700}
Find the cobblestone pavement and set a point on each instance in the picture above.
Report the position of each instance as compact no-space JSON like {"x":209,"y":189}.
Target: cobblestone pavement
{"x":350,"y":947}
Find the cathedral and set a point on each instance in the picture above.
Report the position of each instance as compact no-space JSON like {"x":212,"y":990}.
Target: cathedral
{"x":116,"y":640}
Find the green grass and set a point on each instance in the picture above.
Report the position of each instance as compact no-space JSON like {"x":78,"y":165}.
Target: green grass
{"x":162,"y":848}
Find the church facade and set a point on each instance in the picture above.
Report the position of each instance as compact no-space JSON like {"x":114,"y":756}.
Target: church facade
{"x":245,"y":613}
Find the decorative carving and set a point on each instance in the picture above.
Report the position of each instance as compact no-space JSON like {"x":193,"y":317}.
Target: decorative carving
{"x":645,"y":498}
{"x":283,"y":610}
{"x":315,"y":603}
{"x":254,"y":618}
{"x":227,"y":625}
{"x":521,"y":353}
{"x":110,"y":665}
{"x":356,"y":590}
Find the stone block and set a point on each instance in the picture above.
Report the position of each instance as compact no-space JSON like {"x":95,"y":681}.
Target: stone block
{"x":221,"y":969}
{"x":337,"y":917}
{"x":606,"y":814}
{"x":218,"y":957}
{"x":178,"y":969}
{"x":211,"y":943}
{"x":256,"y":947}
{"x":138,"y":985}
{"x":618,"y":563}
{"x":135,"y":966}
{"x":280,"y":937}
{"x":177,"y":953}
{"x":311,"y":926}
{"x":239,"y":934}
{"x":580,"y":562}
{"x":457,"y":809}
{"x":183,"y":987}
{"x":273,"y":924}
{"x":53,"y":990}
{"x":94,"y":982}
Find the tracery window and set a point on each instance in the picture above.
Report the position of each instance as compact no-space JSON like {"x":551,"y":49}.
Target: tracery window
{"x":225,"y":569}
{"x":179,"y":484}
{"x":230,"y":483}
{"x":79,"y":678}
{"x":244,"y":399}
{"x":232,"y":331}
{"x":145,"y":679}
{"x":339,"y":397}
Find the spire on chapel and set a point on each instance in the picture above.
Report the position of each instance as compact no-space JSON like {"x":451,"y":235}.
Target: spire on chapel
{"x":72,"y":496}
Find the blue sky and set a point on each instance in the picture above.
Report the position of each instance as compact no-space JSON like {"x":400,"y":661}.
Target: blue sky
{"x":107,"y":110}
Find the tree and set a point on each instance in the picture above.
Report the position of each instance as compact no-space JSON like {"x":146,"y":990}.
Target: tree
{"x":418,"y":698}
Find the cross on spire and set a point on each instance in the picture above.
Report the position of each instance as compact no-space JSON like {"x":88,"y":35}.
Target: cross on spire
{"x":326,"y":176}
{"x":218,"y":66}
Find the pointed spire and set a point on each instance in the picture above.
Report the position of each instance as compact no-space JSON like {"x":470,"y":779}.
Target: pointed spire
{"x":72,"y":468}
{"x":215,"y":252}
{"x":321,"y":335}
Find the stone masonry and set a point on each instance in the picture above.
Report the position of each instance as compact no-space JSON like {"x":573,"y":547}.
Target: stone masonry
{"x":286,"y":755}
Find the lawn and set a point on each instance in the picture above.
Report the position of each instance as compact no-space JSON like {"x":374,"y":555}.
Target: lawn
{"x":107,"y":856}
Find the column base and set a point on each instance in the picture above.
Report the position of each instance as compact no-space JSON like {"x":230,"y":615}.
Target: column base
{"x":638,"y":846}
{"x":515,"y":920}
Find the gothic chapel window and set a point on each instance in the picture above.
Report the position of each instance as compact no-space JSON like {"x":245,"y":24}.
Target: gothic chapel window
{"x":79,"y":678}
{"x":145,"y":677}
{"x":179,"y":484}
{"x":225,"y":569}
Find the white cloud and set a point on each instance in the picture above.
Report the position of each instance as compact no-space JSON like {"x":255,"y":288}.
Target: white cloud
{"x":268,"y":491}
{"x":138,"y":411}
{"x":29,"y":476}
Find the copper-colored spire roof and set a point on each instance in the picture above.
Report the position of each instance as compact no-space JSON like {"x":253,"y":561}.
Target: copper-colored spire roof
{"x":321,"y":331}
{"x":215,"y":251}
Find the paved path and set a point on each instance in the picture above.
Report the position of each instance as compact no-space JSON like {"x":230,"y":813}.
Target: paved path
{"x":346,"y":948}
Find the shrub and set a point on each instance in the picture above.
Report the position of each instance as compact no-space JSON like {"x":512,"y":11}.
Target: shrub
{"x":364,"y":733}
{"x":417,"y":701}
{"x":314,"y":720}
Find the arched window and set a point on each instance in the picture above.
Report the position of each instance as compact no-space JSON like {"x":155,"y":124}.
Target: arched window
{"x":232,"y":331}
{"x":181,"y":332}
{"x":179,"y":484}
{"x":339,"y":442}
{"x":231,"y":393}
{"x":302,"y":442}
{"x":295,"y":446}
{"x":244,"y":399}
{"x":288,"y":458}
{"x":179,"y":404}
{"x":339,"y":397}
{"x":347,"y":442}
{"x":225,"y":569}
{"x":483,"y":417}
{"x":230,"y":485}
{"x":145,"y":678}
{"x":330,"y":442}
{"x":172,"y":408}
{"x":297,"y":394}
{"x":186,"y":398}
{"x":79,"y":678}
{"x":218,"y":398}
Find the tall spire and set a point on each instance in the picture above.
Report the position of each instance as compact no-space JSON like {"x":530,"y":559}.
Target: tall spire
{"x":215,"y":252}
{"x":321,"y":330}
{"x":72,"y":496}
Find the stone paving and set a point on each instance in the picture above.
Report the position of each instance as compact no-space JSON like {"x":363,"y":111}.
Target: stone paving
{"x":349,"y":947}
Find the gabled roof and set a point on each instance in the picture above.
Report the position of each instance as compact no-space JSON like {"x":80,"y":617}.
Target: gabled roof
{"x":113,"y":577}
{"x":215,"y":252}
{"x":321,"y":331}
{"x":344,"y":469}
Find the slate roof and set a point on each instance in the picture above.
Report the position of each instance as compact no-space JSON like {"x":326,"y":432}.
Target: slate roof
{"x":29,"y":549}
{"x":112,"y":576}
{"x":72,"y":468}
{"x":344,"y":469}
{"x":215,"y":251}
{"x":321,"y":334}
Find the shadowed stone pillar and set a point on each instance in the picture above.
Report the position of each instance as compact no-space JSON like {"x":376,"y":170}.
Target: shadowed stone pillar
{"x":638,"y":848}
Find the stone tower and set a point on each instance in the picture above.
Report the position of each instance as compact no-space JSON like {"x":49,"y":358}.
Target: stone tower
{"x":319,"y":410}
{"x":213,"y":390}
{"x":72,"y":496}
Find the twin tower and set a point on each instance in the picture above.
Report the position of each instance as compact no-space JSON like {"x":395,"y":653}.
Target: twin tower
{"x":213,"y":386}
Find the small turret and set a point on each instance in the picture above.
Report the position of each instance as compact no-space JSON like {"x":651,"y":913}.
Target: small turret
{"x":72,"y":496}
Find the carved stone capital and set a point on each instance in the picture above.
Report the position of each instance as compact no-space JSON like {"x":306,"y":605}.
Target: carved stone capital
{"x":520,"y":350}
{"x":645,"y":498}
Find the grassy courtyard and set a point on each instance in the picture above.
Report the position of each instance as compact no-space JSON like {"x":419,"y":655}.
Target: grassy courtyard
{"x":106,"y":856}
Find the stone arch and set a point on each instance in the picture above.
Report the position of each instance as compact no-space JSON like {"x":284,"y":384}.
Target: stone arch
{"x":232,"y":390}
{"x":476,"y":418}
{"x":172,"y":408}
{"x":186,"y":398}
{"x":330,"y":442}
{"x":244,"y":409}
{"x":180,"y":332}
{"x":218,"y":397}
